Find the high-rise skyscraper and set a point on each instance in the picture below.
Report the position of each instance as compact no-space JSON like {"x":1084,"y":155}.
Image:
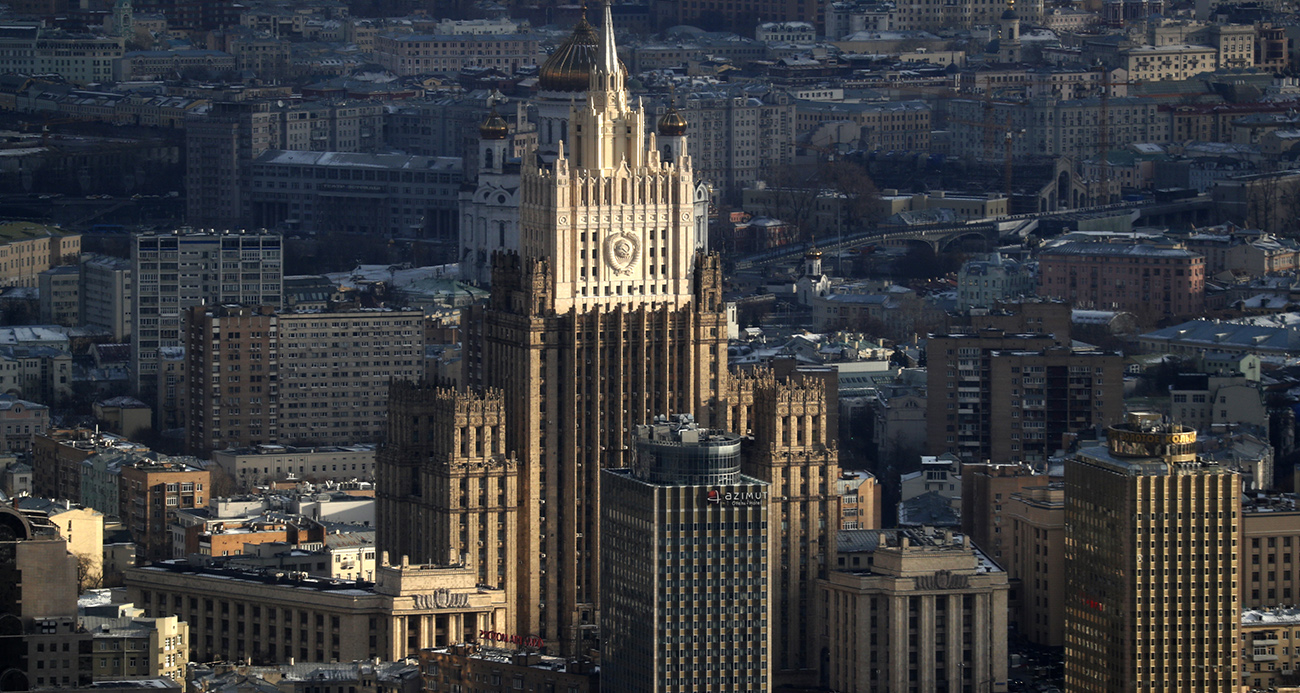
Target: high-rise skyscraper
{"x":1151,"y":564}
{"x":684,"y":578}
{"x":605,"y":318}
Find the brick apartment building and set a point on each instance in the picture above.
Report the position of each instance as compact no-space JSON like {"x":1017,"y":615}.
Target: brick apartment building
{"x":150,"y":493}
{"x":297,"y":378}
{"x":1151,"y":281}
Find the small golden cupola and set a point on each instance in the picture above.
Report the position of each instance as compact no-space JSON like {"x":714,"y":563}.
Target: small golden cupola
{"x":494,"y":127}
{"x":672,"y":124}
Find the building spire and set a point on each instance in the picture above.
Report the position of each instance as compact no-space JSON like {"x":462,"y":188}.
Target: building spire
{"x":608,"y":61}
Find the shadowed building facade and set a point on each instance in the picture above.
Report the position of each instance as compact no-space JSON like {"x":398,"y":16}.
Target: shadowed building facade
{"x":684,"y":575}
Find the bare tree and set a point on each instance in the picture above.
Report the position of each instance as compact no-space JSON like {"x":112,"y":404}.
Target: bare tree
{"x":220,"y":483}
{"x":90,"y":573}
{"x":796,"y":193}
{"x":1273,"y":204}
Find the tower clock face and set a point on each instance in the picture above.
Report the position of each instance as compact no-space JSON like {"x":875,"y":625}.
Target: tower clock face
{"x":622,"y":250}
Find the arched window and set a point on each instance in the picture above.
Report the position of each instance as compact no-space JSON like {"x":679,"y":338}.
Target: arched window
{"x":668,"y":152}
{"x":487,"y":159}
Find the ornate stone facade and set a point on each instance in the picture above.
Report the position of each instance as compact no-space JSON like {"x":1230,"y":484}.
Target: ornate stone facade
{"x":606,"y":316}
{"x":450,"y":490}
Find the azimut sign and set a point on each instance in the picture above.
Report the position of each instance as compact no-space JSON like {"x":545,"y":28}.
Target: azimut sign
{"x":720,"y":497}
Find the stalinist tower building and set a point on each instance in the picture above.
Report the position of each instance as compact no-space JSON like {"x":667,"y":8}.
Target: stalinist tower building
{"x":604,"y":316}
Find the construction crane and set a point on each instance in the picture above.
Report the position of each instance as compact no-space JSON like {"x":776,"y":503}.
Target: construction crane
{"x":1008,"y":141}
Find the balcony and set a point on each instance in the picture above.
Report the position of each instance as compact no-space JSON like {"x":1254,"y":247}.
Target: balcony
{"x":1263,"y":658}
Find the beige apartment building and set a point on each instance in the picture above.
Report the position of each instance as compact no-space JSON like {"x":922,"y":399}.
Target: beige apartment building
{"x":1269,"y":652}
{"x":27,"y":249}
{"x":1036,"y":562}
{"x":129,"y":647}
{"x":1152,"y":531}
{"x":924,"y":610}
{"x":1173,"y":62}
{"x":1270,"y":551}
{"x":295,"y":378}
{"x":236,"y":614}
{"x":860,"y":505}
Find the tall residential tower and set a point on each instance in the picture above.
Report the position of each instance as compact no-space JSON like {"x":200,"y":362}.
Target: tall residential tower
{"x":1151,"y":535}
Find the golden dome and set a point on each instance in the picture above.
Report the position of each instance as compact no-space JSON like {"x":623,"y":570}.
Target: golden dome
{"x":672,"y":124}
{"x":569,"y":67}
{"x":494,"y":128}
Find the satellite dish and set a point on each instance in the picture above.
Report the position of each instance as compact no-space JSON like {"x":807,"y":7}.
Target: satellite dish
{"x":279,"y":104}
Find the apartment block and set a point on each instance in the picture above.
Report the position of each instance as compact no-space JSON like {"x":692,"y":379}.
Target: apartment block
{"x":386,"y":195}
{"x":106,"y":294}
{"x":1054,"y":127}
{"x":1035,"y":562}
{"x":27,"y":249}
{"x":128,"y":647}
{"x":60,"y":300}
{"x":1270,"y":551}
{"x":1151,"y":281}
{"x":57,"y":456}
{"x":1151,"y":593}
{"x":987,"y":489}
{"x":429,"y":54}
{"x":295,"y":378}
{"x":222,"y":144}
{"x":39,"y":372}
{"x":895,"y":125}
{"x":1203,"y":401}
{"x":1011,"y":398}
{"x":151,"y":491}
{"x":1169,"y":62}
{"x":1269,"y":658}
{"x":737,"y":137}
{"x":175,"y":271}
{"x":924,"y":610}
{"x":19,"y":421}
{"x":860,"y":503}
{"x":79,"y":58}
